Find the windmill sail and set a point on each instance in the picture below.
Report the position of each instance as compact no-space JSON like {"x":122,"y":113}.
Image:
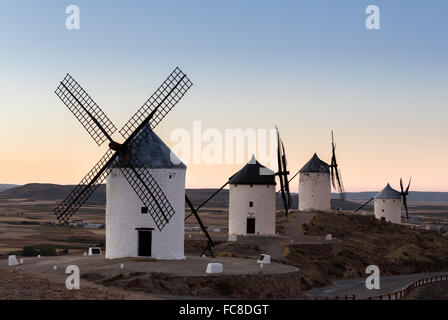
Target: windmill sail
{"x":335,"y":172}
{"x":85,"y":110}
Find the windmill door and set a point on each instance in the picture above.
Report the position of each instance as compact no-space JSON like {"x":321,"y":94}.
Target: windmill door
{"x":250,"y":225}
{"x":144,"y":243}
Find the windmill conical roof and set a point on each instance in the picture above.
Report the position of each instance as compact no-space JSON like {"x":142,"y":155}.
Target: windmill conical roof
{"x":253,"y":173}
{"x":388,"y":193}
{"x":154,"y":153}
{"x":315,"y":165}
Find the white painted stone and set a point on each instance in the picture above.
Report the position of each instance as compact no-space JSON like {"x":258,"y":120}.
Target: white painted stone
{"x":21,"y":261}
{"x":314,"y":191}
{"x":329,"y":237}
{"x":232,"y":238}
{"x":93,"y":251}
{"x":12,"y":261}
{"x":428,"y":228}
{"x":214,"y":268}
{"x":123,"y":216}
{"x":122,"y":266}
{"x":55,"y":268}
{"x":263,"y":210}
{"x":264,"y":259}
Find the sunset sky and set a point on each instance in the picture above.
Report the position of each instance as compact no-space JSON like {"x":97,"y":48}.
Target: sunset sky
{"x":306,"y":66}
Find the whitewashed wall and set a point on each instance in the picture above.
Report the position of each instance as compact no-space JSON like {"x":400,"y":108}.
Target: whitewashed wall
{"x":263,"y":197}
{"x":123,"y":215}
{"x":314,"y":191}
{"x":390,"y":209}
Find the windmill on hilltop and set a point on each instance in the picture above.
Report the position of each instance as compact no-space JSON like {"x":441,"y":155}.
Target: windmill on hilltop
{"x":252,"y":196}
{"x":388,"y":203}
{"x":143,"y":176}
{"x":315,"y":180}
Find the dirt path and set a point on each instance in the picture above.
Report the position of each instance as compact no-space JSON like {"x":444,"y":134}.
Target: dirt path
{"x":358,"y":288}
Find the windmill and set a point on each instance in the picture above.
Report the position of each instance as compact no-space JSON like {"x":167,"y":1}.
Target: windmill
{"x":121,"y":155}
{"x":389,"y":193}
{"x":283,"y":173}
{"x":335,"y":173}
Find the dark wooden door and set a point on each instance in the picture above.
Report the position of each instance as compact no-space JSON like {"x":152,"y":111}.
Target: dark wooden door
{"x":144,"y":243}
{"x":250,"y":225}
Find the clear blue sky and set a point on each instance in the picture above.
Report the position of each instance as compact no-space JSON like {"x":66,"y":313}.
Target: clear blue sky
{"x":307,"y":66}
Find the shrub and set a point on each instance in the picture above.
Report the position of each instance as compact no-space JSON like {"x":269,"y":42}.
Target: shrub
{"x":29,"y":251}
{"x":43,"y":250}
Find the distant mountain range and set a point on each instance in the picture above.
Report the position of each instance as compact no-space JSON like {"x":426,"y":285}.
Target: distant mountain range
{"x":4,"y":187}
{"x":40,"y":191}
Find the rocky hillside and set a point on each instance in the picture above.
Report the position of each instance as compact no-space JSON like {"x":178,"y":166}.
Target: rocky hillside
{"x":395,"y":249}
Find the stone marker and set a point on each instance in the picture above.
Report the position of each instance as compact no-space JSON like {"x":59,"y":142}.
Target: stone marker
{"x":264,"y":259}
{"x":232,"y":237}
{"x":55,"y":268}
{"x":122,"y":266}
{"x":428,"y":228}
{"x":214,"y":268}
{"x":21,"y":261}
{"x":12,"y":261}
{"x":329,"y":237}
{"x":94,"y":251}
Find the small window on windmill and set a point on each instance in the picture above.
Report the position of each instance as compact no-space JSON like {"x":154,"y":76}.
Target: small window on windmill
{"x":267,"y":186}
{"x":384,"y":200}
{"x":251,"y":185}
{"x":382,"y":210}
{"x":251,"y":204}
{"x":144,"y":210}
{"x":171,"y":175}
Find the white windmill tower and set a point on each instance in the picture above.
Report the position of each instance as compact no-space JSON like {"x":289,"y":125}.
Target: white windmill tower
{"x":314,"y":185}
{"x":388,"y":203}
{"x":252,"y":200}
{"x":146,"y":188}
{"x":315,"y":180}
{"x":130,"y":231}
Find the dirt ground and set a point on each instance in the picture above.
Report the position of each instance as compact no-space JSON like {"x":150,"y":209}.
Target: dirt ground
{"x":21,"y":285}
{"x":147,"y":279}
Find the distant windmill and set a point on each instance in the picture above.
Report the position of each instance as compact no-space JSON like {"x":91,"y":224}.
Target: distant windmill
{"x":283,"y":174}
{"x":122,"y":156}
{"x":388,"y":203}
{"x":315,"y":180}
{"x":252,"y":196}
